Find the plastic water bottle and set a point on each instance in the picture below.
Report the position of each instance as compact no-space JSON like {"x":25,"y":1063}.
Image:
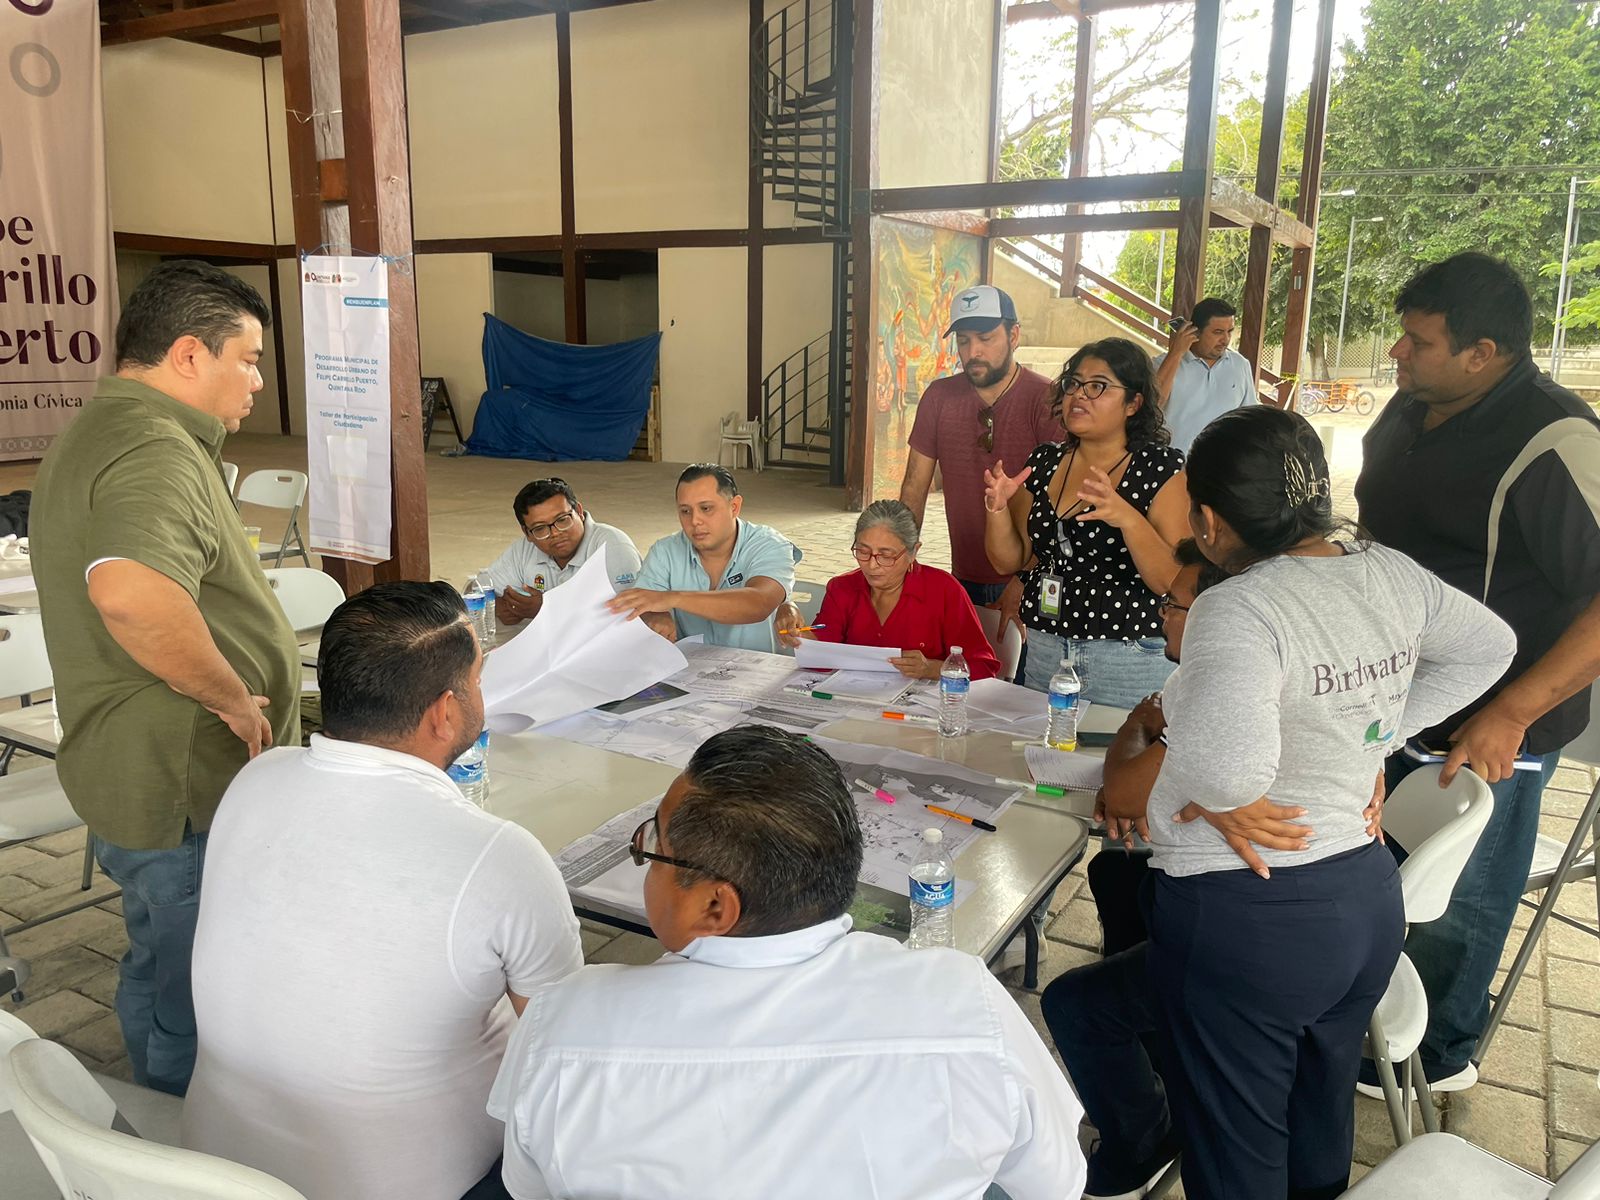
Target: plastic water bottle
{"x":954,"y":680}
{"x":933,"y":894}
{"x":470,"y":772}
{"x":486,"y":586}
{"x":1064,"y":689}
{"x":477,"y":605}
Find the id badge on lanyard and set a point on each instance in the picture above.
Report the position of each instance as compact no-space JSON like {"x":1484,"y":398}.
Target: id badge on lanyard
{"x":1049,"y":594}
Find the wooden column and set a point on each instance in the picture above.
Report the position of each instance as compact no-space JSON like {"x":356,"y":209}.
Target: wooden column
{"x":755,"y":227}
{"x":350,"y":177}
{"x":1269,"y":161}
{"x":1303,"y":265}
{"x":574,"y":284}
{"x":1199,"y":156}
{"x":863,"y":178}
{"x":1078,"y":144}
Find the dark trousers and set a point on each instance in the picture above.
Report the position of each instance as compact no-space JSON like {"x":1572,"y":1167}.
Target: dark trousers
{"x":1116,"y":877}
{"x":1265,"y":988}
{"x":490,"y":1187}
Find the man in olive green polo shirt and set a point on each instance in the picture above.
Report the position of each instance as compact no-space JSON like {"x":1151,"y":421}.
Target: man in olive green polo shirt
{"x":173,"y":661}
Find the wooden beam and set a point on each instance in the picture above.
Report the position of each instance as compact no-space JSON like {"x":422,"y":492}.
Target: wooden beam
{"x":333,"y":181}
{"x":1199,"y":155}
{"x":234,"y":45}
{"x":1078,"y":141}
{"x":1302,"y":265}
{"x":208,"y":18}
{"x":1034,"y":10}
{"x":863,"y":178}
{"x":954,"y":219}
{"x":158,"y":243}
{"x":1098,"y":189}
{"x":574,"y":292}
{"x":373,"y":88}
{"x":1069,"y":223}
{"x":1269,"y":162}
{"x":996,"y":62}
{"x":275,"y":298}
{"x":755,"y":222}
{"x":1249,"y":210}
{"x":490,"y":245}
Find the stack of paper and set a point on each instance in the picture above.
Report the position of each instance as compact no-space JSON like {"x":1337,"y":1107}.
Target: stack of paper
{"x":841,"y":656}
{"x":577,"y":654}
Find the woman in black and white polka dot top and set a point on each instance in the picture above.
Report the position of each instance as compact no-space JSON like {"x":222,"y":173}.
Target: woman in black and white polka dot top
{"x":1092,"y":532}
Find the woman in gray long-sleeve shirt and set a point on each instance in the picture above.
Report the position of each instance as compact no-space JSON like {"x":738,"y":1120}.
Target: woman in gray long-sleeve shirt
{"x":1300,"y":674}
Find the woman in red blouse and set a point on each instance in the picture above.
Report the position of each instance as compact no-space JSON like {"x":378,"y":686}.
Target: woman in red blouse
{"x":895,"y":601}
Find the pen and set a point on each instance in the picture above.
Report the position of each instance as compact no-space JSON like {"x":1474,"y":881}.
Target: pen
{"x":955,"y":816}
{"x":802,"y":629}
{"x":876,"y":791}
{"x":1046,"y":788}
{"x":911,"y":717}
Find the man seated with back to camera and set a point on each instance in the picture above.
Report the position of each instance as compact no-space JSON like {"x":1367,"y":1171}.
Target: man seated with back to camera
{"x":558,"y":537}
{"x":720,"y":576}
{"x":772,"y":1052}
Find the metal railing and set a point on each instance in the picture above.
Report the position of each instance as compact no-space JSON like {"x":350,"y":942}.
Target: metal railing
{"x":794,"y":406}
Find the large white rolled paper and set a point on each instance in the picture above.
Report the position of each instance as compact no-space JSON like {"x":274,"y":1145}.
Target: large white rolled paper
{"x":576,"y":654}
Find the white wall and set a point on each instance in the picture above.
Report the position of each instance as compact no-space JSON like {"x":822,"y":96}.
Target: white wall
{"x":661,"y":115}
{"x":453,"y":293}
{"x":796,"y":299}
{"x":703,"y":315}
{"x":619,"y":310}
{"x":935,"y":58}
{"x":186,"y":141}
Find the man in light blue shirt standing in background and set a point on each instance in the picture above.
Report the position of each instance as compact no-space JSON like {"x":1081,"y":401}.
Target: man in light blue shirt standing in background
{"x":720,"y":577}
{"x":1201,"y":377}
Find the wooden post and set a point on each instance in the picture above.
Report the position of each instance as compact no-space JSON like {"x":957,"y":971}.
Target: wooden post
{"x":863,"y":178}
{"x":755,"y":254}
{"x":1078,"y":144}
{"x":378,"y":172}
{"x":1258,"y":266}
{"x":1199,"y":156}
{"x":1303,"y":264}
{"x":574,"y":289}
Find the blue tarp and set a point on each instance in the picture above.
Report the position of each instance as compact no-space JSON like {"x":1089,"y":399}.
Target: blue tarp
{"x":554,"y":402}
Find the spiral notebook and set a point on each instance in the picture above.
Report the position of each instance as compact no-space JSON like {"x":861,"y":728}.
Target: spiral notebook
{"x":1065,"y":769}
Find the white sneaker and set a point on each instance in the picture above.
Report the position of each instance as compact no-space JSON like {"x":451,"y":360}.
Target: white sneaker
{"x":1459,"y":1082}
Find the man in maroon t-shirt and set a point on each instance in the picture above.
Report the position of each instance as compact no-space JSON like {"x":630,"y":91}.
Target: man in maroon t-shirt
{"x":994,"y":411}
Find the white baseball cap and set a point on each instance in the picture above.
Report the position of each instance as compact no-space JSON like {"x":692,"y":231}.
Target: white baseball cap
{"x":980,"y":308}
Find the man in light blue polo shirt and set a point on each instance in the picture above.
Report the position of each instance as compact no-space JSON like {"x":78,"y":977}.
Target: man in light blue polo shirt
{"x":720,"y":577}
{"x":1200,"y":377}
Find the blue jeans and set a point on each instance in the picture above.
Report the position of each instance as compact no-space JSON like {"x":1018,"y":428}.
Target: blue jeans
{"x":160,"y":904}
{"x":1458,"y":954}
{"x":984,"y":594}
{"x":1116,"y":674}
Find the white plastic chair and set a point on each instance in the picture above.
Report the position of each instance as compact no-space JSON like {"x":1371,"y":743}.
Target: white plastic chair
{"x":279,"y":489}
{"x":69,"y":1118}
{"x":308,"y":595}
{"x":1441,"y":1164}
{"x":1007,"y":649}
{"x":230,"y":476}
{"x":1439,"y":827}
{"x":1554,"y":866}
{"x":32,"y":803}
{"x":738,"y":432}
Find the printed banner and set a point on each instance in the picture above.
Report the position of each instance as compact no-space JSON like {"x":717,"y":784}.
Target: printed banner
{"x":345,"y":302}
{"x":58,"y":292}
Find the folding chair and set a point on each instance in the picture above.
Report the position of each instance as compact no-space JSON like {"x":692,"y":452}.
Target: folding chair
{"x":308,"y":595}
{"x":73,"y":1124}
{"x":807,"y":597}
{"x":1439,"y":827}
{"x":1441,"y":1164}
{"x":1008,"y":649}
{"x":230,"y":476}
{"x":279,"y":489}
{"x":1554,"y":866}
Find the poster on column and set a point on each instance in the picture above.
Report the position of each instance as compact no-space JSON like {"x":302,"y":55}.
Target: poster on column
{"x":345,"y":302}
{"x":57,"y":268}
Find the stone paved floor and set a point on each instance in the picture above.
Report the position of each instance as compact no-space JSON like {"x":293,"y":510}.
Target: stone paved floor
{"x":1537,"y":1105}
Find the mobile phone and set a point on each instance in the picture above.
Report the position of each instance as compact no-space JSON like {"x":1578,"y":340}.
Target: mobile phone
{"x":1177,"y":323}
{"x":1436,"y":752}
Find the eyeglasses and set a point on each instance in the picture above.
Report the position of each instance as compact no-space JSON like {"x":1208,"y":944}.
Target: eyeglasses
{"x":986,"y":419}
{"x":884,"y":558}
{"x":643,"y":847}
{"x":1092,"y":389}
{"x":560,"y":525}
{"x":1166,"y":604}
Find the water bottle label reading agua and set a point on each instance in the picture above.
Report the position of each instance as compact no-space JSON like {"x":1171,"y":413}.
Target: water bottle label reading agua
{"x":954,"y":687}
{"x":1063,"y":699}
{"x":933,"y":895}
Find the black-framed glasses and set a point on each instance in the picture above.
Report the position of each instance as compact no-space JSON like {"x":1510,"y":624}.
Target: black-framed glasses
{"x":884,"y":558}
{"x":986,"y":419}
{"x":643,"y":848}
{"x":560,"y":525}
{"x":1166,"y":604}
{"x":1092,"y":389}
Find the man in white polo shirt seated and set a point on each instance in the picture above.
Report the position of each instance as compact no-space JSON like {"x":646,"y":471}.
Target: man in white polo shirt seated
{"x":1201,"y":377}
{"x":720,"y":577}
{"x":558,"y":537}
{"x":365,"y":933}
{"x":772,"y":1052}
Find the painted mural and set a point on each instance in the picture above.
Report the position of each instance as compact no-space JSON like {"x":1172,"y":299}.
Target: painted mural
{"x":917,"y":272}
